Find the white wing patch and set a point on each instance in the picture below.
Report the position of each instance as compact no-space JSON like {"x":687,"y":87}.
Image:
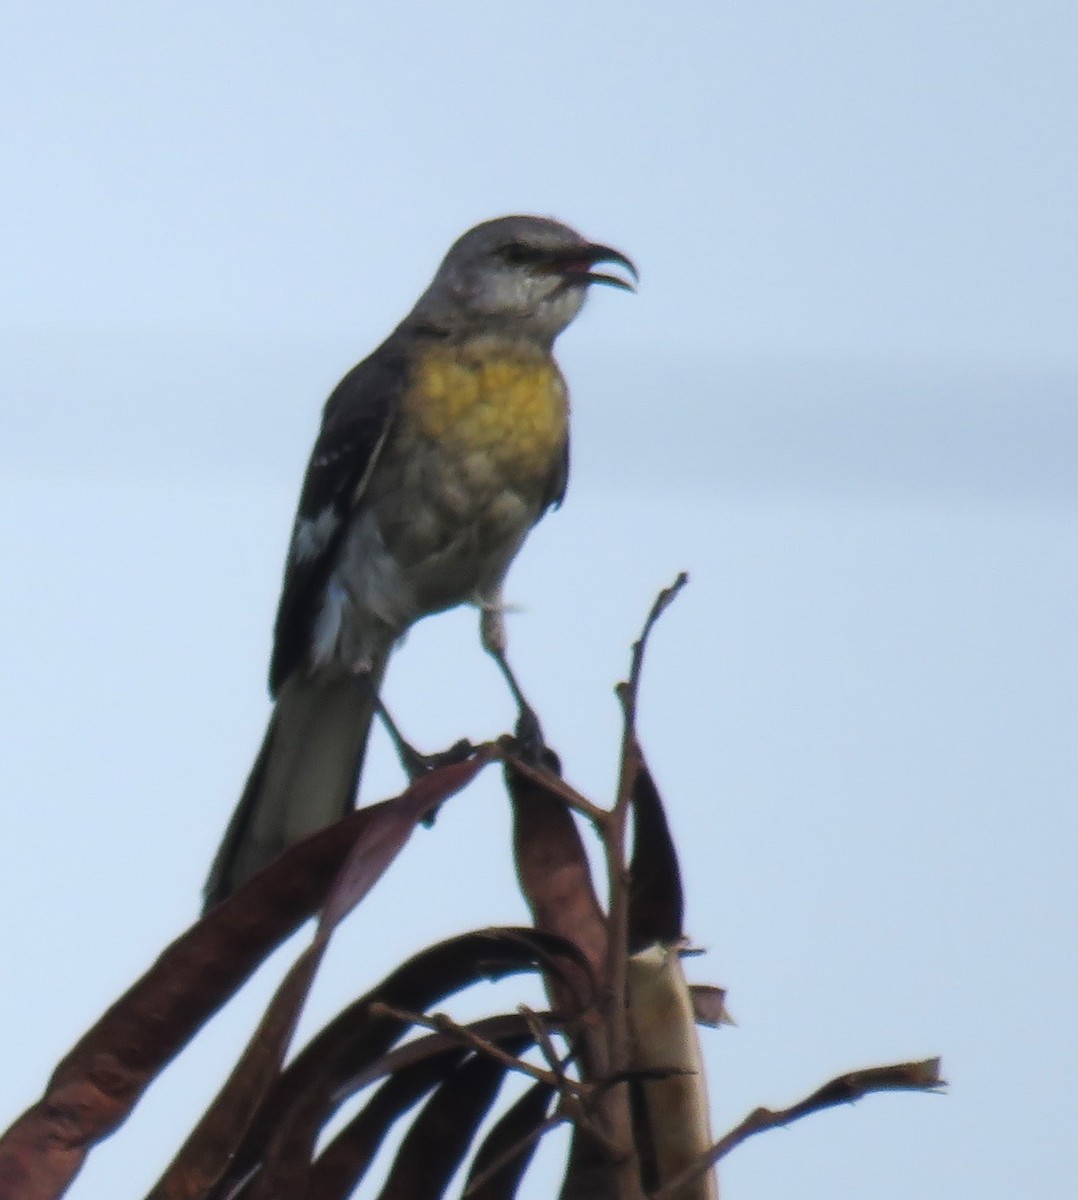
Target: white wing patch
{"x":313,"y":534}
{"x":328,"y":625}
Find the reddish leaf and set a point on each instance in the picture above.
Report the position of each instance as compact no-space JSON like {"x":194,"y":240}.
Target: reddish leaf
{"x":412,"y":1070}
{"x":655,"y":898}
{"x":204,"y":1156}
{"x":512,"y":1143}
{"x":438,"y":1140}
{"x":590,"y":1175}
{"x":95,"y":1087}
{"x":347,"y":1158}
{"x":709,"y":1005}
{"x":345,"y":1055}
{"x":554,"y":872}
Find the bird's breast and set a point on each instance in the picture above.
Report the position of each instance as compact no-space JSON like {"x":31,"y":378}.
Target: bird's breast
{"x":503,"y":408}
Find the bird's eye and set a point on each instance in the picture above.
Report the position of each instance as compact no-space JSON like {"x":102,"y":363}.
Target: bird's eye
{"x":517,"y":254}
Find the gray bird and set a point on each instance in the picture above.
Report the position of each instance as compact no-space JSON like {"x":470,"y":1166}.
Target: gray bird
{"x":436,"y":456}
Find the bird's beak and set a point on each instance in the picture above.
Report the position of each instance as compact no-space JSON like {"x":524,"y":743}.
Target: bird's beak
{"x":577,"y":267}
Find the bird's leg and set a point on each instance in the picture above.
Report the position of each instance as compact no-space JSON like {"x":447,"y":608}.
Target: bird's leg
{"x":529,"y":732}
{"x":416,"y":765}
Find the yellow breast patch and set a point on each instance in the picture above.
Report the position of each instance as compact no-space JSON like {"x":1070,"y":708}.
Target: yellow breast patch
{"x":487,"y":398}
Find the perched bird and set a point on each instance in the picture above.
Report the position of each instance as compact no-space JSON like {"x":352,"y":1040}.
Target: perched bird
{"x":436,"y":456}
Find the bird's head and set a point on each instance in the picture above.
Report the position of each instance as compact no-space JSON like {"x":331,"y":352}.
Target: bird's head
{"x":521,"y":275}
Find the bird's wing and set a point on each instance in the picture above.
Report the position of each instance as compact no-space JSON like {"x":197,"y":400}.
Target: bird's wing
{"x":558,"y":482}
{"x":355,"y":424}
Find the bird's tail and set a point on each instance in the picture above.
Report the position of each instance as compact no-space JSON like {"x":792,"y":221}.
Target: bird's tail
{"x":305,"y":776}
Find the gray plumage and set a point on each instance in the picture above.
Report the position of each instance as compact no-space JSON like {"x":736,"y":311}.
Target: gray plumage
{"x":437,"y":455}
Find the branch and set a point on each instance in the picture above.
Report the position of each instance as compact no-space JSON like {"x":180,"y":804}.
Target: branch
{"x":845,"y":1089}
{"x":574,"y":1097}
{"x":440,"y":1023}
{"x":627,"y":691}
{"x":614,"y":837}
{"x":553,"y":782}
{"x":615,"y":1107}
{"x":541,"y":1034}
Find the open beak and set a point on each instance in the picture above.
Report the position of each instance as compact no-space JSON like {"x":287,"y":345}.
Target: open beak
{"x":578,"y":267}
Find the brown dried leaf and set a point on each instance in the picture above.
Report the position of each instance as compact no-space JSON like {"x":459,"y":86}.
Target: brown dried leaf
{"x":709,"y":1005}
{"x":438,"y":1140}
{"x":98,"y":1083}
{"x":554,"y":872}
{"x":655,"y":896}
{"x":350,"y":1052}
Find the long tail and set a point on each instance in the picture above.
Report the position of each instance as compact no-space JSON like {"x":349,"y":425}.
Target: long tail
{"x":306,"y":775}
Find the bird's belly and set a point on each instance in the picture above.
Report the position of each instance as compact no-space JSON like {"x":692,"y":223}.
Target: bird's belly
{"x":438,"y":530}
{"x":454,"y":526}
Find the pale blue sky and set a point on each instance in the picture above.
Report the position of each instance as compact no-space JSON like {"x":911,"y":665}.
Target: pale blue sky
{"x":843,"y":400}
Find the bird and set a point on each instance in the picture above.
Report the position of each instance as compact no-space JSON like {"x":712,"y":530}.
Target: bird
{"x":436,"y":456}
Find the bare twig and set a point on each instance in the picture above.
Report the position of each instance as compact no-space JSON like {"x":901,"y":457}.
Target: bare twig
{"x":845,"y":1089}
{"x":541,"y":1034}
{"x":441,"y":1023}
{"x":554,"y":783}
{"x":627,"y":691}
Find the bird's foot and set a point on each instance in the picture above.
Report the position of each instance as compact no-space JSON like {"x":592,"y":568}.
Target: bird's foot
{"x":417,"y":765}
{"x":530,"y":744}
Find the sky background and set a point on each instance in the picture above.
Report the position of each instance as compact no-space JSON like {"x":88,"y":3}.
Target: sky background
{"x":843,"y":401}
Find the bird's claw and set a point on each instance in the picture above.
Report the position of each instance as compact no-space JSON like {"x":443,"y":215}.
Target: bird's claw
{"x":530,"y":745}
{"x":417,"y":765}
